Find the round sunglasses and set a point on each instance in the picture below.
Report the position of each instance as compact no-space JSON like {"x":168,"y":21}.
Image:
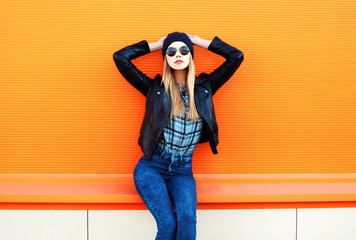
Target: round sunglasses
{"x":171,"y":51}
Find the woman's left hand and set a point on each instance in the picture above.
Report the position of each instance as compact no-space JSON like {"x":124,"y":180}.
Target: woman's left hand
{"x":195,"y":39}
{"x":199,"y":41}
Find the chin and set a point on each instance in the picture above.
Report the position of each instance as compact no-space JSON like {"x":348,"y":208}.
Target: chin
{"x":179,"y":67}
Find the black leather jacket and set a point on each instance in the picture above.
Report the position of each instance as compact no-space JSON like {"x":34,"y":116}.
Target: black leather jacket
{"x":158,"y":104}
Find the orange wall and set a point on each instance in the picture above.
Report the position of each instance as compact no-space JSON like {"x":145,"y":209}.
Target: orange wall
{"x":290,"y":107}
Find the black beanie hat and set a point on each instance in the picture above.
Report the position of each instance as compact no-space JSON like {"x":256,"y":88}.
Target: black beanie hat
{"x":177,"y":36}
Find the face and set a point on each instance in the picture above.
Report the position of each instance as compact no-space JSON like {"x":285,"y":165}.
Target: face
{"x":178,"y":61}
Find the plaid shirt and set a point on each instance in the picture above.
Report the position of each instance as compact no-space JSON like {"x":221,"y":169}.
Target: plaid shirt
{"x":181,"y":136}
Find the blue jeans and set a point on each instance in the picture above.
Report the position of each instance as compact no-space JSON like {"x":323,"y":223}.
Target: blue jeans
{"x":166,"y":185}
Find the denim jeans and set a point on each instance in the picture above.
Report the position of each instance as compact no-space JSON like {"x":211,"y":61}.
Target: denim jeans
{"x":166,"y":185}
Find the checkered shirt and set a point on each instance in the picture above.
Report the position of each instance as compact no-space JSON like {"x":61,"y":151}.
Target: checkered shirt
{"x":181,"y":136}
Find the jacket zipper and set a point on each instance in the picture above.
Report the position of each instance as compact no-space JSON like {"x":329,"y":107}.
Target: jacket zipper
{"x":157,"y":140}
{"x":206,"y":121}
{"x":211,"y":129}
{"x":159,"y":134}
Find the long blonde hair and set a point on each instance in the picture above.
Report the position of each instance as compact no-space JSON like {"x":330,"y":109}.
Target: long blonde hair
{"x":172,"y":89}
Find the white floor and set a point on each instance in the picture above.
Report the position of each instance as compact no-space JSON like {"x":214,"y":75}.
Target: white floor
{"x":251,"y":224}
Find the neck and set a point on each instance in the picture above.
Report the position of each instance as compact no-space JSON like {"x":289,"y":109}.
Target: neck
{"x":180,"y":76}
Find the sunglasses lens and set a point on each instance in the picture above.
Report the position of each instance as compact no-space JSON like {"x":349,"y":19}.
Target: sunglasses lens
{"x":171,"y":52}
{"x":184,"y":50}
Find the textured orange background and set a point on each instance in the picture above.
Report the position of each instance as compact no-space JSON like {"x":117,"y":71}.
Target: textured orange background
{"x":290,"y":107}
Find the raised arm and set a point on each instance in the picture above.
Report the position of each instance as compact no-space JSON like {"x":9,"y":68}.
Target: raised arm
{"x":224,"y":72}
{"x":128,"y":70}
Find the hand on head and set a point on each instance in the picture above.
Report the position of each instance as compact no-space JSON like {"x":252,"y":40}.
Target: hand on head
{"x":194,"y":38}
{"x":160,"y":42}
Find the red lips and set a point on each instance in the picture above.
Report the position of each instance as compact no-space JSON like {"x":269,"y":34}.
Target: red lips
{"x":178,"y":61}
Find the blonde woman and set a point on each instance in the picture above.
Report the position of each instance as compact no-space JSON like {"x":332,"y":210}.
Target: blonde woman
{"x":179,"y":115}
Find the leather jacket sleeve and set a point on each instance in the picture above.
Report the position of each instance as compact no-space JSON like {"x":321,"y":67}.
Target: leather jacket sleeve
{"x":129,"y":71}
{"x":222,"y":74}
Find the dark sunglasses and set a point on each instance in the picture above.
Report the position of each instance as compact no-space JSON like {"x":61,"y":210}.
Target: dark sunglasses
{"x":171,"y":51}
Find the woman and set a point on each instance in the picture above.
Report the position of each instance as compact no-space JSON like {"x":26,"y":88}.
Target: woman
{"x":179,"y":115}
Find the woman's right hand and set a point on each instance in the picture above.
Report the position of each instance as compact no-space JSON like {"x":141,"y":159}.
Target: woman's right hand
{"x":155,"y":46}
{"x":161,"y":41}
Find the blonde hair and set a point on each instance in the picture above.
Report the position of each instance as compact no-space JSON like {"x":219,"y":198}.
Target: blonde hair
{"x":172,"y":89}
